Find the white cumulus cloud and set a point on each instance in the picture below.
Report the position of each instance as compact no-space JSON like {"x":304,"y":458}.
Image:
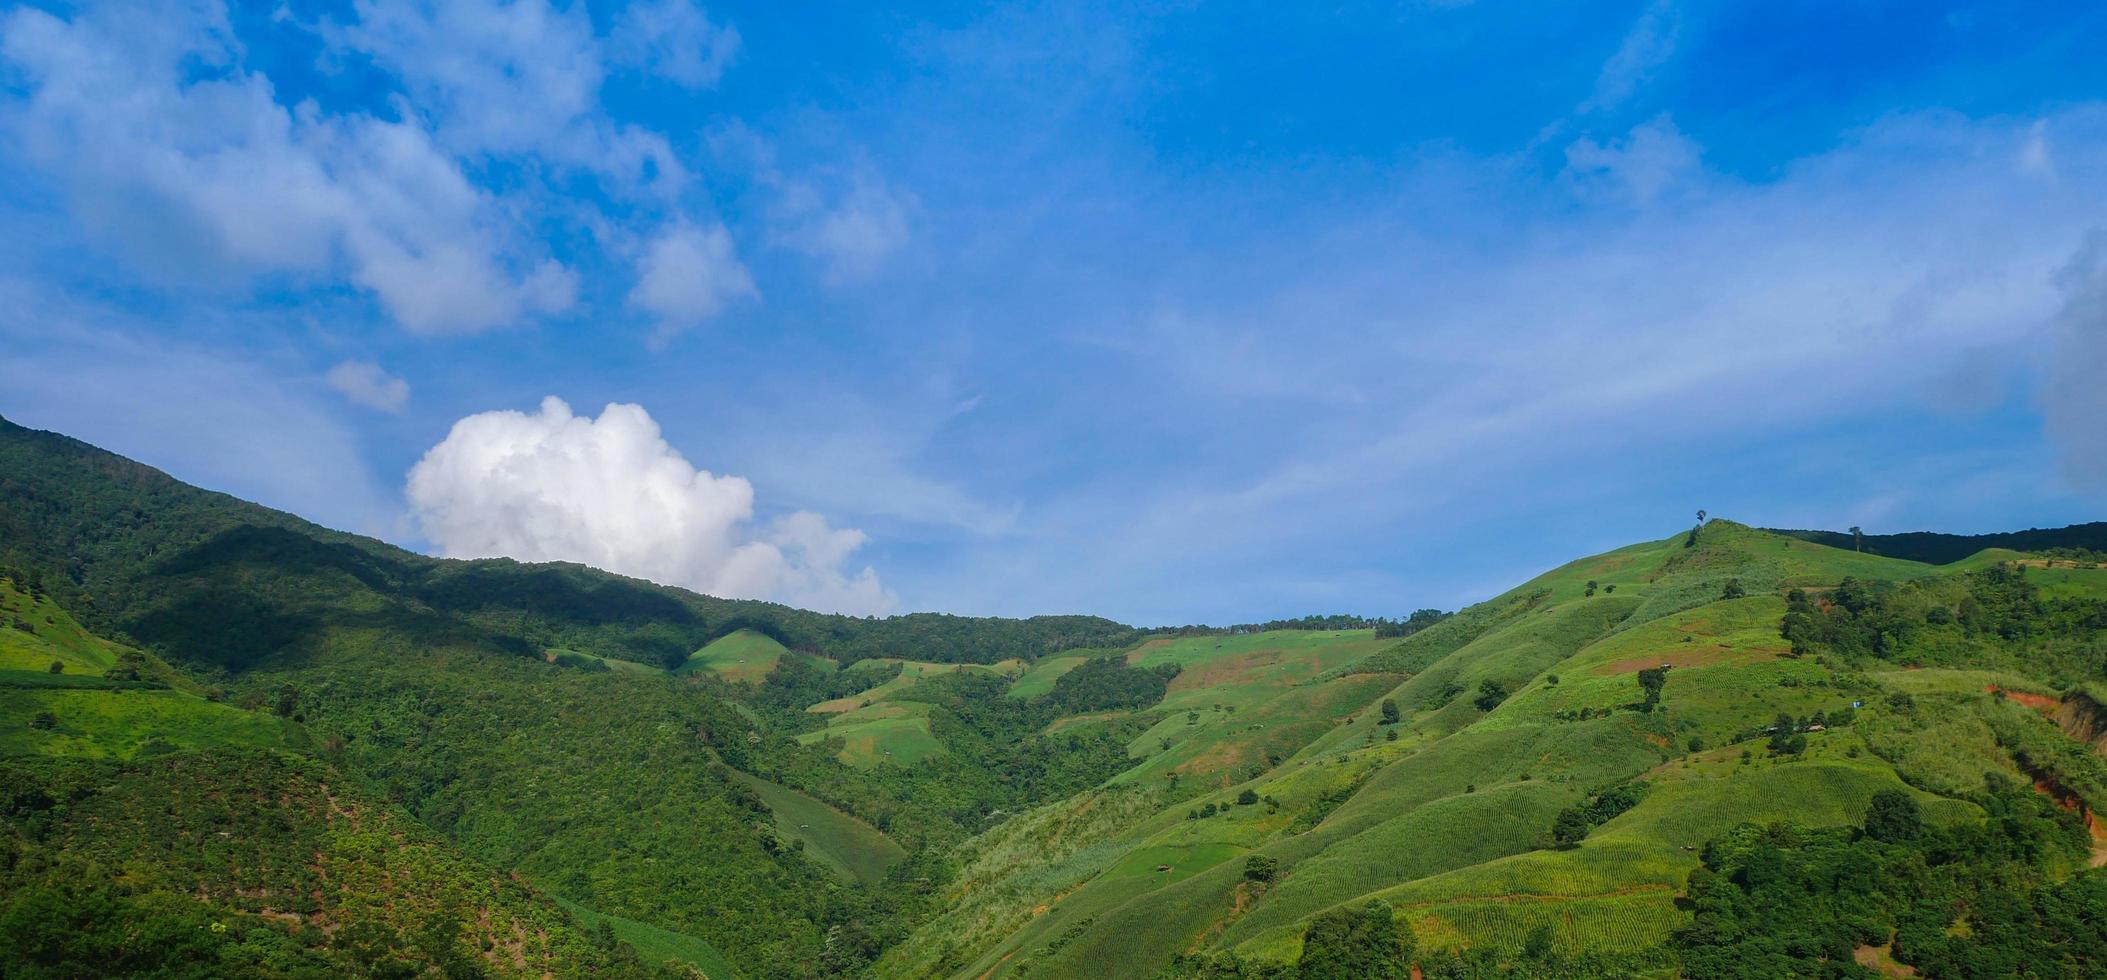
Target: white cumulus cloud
{"x":609,"y":492}
{"x":365,"y":383}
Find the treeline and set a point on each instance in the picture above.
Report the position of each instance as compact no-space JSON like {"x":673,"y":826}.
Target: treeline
{"x":1979,"y":899}
{"x":1406,"y":626}
{"x":1983,"y":617}
{"x":207,"y":578}
{"x":1940,"y":549}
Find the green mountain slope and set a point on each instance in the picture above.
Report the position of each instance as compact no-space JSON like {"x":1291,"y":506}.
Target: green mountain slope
{"x":1515,"y":712}
{"x":1638,"y":763}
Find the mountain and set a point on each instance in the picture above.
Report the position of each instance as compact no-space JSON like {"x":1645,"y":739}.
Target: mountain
{"x":1933,"y":548}
{"x":270,"y":748}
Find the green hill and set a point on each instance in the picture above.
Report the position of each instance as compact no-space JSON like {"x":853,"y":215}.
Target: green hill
{"x":1726,"y":752}
{"x":1514,"y":712}
{"x":741,"y":655}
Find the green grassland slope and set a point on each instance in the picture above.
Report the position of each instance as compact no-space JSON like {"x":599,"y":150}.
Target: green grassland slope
{"x":1507,"y":715}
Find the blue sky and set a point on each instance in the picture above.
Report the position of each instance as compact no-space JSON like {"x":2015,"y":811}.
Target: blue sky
{"x":1169,"y":312}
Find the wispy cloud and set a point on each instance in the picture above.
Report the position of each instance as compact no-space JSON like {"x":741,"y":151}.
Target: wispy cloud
{"x":366,"y":383}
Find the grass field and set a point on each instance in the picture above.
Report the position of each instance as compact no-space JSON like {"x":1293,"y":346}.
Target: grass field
{"x":123,"y":724}
{"x":744,"y":657}
{"x":849,"y":846}
{"x":895,"y":732}
{"x":35,"y":632}
{"x":563,"y":654}
{"x":1041,"y":677}
{"x":911,"y":673}
{"x":656,"y":945}
{"x":1445,"y":813}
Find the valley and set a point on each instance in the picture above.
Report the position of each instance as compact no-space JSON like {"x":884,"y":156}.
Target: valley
{"x":239,"y":744}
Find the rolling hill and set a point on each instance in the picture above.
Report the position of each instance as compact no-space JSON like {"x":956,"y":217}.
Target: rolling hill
{"x":1725,"y":752}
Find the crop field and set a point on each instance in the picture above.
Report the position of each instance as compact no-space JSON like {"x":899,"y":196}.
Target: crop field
{"x":1653,"y":847}
{"x":911,"y":673}
{"x":1222,"y":747}
{"x":1253,"y":666}
{"x":1166,"y":863}
{"x":1450,"y":833}
{"x":1612,"y":923}
{"x":894,"y":732}
{"x":745,"y":657}
{"x":1438,"y":699}
{"x":851,"y":847}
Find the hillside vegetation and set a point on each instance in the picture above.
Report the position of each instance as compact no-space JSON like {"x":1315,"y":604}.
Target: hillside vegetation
{"x":234,"y":743}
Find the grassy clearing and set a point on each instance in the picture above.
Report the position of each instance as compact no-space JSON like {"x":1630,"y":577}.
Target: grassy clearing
{"x":35,"y":632}
{"x":123,"y":724}
{"x":743,"y":656}
{"x":895,"y":732}
{"x":654,"y":944}
{"x":563,"y":654}
{"x":1939,"y":680}
{"x":849,"y":846}
{"x":1041,"y":677}
{"x":911,"y":673}
{"x":1616,"y":923}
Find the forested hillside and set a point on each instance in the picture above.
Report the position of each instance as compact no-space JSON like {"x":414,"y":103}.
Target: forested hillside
{"x":234,"y":743}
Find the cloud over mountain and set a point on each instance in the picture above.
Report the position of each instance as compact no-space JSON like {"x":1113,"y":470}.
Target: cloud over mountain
{"x":609,"y":492}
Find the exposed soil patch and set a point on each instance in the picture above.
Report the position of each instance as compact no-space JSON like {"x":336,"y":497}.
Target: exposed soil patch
{"x":1140,"y":653}
{"x":1224,"y":671}
{"x":2039,"y":702}
{"x":1881,"y":960}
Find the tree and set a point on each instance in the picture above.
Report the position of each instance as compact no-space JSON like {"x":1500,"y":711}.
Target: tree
{"x":1591,"y":587}
{"x":1570,"y":827}
{"x":1490,"y":694}
{"x":1733,"y":590}
{"x":1651,"y":680}
{"x":1261,"y":868}
{"x":1355,"y":943}
{"x":1858,"y":539}
{"x":1781,"y":733}
{"x":1391,"y":716}
{"x":1247,"y":797}
{"x":1894,"y":816}
{"x":1538,"y":946}
{"x":129,"y":667}
{"x":288,"y":700}
{"x":44,"y":721}
{"x":58,"y":667}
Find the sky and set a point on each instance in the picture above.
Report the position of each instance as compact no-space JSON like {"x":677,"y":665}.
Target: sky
{"x":1168,"y":312}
